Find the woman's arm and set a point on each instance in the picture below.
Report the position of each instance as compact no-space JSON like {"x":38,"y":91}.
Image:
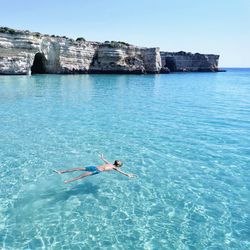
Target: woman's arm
{"x":128,"y":175}
{"x":102,"y":158}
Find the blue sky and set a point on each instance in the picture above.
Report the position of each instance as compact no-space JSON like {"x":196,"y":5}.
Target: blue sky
{"x":205,"y":26}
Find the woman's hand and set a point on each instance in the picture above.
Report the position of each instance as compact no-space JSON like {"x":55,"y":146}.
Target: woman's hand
{"x":102,"y":158}
{"x":131,"y":175}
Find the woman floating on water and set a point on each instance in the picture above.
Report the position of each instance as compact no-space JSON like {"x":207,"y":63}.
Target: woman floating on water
{"x":92,"y":170}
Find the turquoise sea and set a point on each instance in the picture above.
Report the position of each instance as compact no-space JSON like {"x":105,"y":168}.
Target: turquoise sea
{"x":186,"y":136}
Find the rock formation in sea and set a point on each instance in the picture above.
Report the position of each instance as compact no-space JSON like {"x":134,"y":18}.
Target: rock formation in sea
{"x":188,"y":62}
{"x":25,"y":52}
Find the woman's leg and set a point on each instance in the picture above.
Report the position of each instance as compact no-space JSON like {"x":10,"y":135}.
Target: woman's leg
{"x":69,"y":170}
{"x":80,"y":177}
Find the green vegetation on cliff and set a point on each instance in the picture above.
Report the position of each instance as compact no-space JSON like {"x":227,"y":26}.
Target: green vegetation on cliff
{"x":7,"y":30}
{"x":114,"y":44}
{"x":80,"y":39}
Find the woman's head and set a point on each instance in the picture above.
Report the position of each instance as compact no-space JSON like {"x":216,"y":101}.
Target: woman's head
{"x":118,"y":163}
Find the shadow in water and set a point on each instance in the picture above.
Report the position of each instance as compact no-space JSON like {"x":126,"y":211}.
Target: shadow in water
{"x":23,"y":207}
{"x":79,"y":190}
{"x":52,"y":196}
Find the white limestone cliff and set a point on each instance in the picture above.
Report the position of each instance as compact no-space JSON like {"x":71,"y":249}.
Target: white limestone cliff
{"x":19,"y":50}
{"x":24,"y":52}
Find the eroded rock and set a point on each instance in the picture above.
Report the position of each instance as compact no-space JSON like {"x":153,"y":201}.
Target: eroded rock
{"x":24,"y":52}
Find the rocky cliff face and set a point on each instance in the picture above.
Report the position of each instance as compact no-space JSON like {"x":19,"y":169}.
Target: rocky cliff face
{"x":24,"y":52}
{"x":188,"y":62}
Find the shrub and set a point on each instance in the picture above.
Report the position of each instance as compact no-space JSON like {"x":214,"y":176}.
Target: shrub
{"x":126,"y":44}
{"x":37,"y":34}
{"x":113,"y":44}
{"x":80,"y":39}
{"x":11,"y":31}
{"x":7,"y":30}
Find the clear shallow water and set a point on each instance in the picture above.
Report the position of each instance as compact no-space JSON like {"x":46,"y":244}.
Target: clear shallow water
{"x":186,"y":136}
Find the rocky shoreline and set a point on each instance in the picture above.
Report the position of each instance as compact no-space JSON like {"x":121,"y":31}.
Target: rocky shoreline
{"x":25,"y":52}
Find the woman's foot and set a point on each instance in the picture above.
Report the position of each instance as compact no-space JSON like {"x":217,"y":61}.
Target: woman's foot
{"x":57,"y":171}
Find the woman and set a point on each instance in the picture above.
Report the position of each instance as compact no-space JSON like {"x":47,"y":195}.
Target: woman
{"x":92,"y":170}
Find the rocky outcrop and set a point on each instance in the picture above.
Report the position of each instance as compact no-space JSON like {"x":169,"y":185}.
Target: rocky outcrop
{"x":188,"y":62}
{"x":24,"y":52}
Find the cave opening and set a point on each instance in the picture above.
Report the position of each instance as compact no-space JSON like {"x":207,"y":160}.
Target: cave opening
{"x":170,"y":63}
{"x":39,"y":64}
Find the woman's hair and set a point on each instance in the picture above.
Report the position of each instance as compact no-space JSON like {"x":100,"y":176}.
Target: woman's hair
{"x":118,"y":163}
